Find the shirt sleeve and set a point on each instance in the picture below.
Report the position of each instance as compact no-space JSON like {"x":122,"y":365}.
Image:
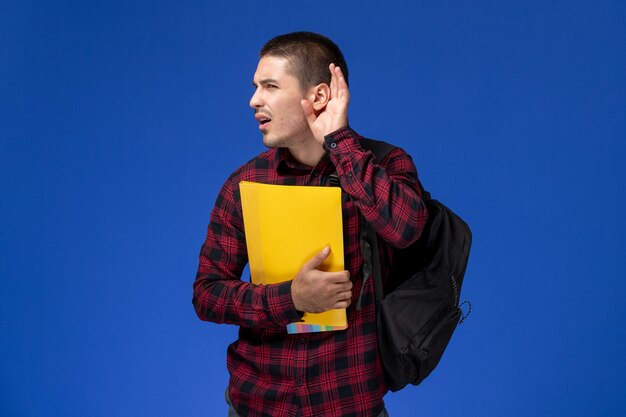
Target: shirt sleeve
{"x":219,"y":294}
{"x":387,"y":193}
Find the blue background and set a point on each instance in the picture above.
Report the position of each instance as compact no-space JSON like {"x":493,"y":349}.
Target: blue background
{"x":119,"y":121}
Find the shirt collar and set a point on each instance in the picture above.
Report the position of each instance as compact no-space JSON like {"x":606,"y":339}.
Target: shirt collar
{"x":286,"y":164}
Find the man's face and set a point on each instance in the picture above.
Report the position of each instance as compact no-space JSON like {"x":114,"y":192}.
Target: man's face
{"x":276,"y":104}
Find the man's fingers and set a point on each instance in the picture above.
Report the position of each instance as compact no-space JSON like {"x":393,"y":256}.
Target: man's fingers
{"x":333,"y":81}
{"x":340,"y":277}
{"x":338,"y":84}
{"x":318,"y":259}
{"x":344,"y":295}
{"x":342,"y":85}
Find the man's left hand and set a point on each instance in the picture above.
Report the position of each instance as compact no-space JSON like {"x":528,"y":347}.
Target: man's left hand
{"x":335,"y":115}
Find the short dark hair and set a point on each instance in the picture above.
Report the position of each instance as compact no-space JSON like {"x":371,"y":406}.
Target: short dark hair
{"x":309,"y":56}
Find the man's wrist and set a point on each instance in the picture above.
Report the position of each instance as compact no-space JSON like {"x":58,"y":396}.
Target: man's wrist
{"x":294,"y":297}
{"x":343,"y":139}
{"x":281,"y":303}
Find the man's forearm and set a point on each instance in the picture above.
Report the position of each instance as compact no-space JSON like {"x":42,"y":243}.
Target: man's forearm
{"x":389,"y":196}
{"x":244,"y":304}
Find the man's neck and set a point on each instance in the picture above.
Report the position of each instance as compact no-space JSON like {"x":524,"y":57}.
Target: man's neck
{"x":309,"y":153}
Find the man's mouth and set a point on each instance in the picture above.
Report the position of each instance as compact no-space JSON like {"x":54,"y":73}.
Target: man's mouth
{"x":263,"y":120}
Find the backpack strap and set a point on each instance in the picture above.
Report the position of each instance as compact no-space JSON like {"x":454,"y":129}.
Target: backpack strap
{"x":379,"y":148}
{"x":370,"y":240}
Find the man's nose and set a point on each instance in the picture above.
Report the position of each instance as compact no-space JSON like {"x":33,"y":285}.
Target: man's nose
{"x":255,"y":100}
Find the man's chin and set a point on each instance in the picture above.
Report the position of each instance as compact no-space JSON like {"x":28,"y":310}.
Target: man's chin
{"x":272,"y":142}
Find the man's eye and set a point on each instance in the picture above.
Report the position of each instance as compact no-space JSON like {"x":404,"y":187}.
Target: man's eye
{"x":271,"y":86}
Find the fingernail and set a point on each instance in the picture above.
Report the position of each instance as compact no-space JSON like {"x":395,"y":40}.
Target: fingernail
{"x":326,"y":250}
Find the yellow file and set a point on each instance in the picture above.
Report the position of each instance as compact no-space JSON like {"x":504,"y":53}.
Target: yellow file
{"x":285,"y":227}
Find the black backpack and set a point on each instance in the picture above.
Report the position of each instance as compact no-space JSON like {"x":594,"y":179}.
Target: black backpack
{"x":419,"y":309}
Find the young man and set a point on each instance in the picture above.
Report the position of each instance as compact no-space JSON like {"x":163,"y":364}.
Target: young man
{"x":301,"y":103}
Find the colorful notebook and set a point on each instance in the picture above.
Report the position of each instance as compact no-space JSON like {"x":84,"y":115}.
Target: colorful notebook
{"x":285,"y":227}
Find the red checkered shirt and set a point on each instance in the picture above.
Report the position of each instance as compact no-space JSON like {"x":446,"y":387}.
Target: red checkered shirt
{"x":329,"y":374}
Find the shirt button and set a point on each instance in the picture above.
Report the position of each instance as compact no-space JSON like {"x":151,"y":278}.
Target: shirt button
{"x":303,"y":340}
{"x":333,"y":145}
{"x":299,"y":383}
{"x":349,"y":174}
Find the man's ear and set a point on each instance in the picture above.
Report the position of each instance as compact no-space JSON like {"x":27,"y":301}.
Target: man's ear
{"x":319,"y":96}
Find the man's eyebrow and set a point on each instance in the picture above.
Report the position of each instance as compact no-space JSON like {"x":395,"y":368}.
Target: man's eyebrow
{"x":266,"y":81}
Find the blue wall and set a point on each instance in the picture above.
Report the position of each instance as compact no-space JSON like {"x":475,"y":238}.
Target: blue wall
{"x":119,"y":122}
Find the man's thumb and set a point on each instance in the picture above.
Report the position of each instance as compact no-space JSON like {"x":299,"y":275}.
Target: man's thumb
{"x":309,"y":113}
{"x":319,"y":258}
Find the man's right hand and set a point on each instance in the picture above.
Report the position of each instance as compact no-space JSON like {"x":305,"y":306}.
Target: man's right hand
{"x":315,"y":291}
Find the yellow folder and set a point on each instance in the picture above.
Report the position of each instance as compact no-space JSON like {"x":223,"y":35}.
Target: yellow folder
{"x":285,"y":227}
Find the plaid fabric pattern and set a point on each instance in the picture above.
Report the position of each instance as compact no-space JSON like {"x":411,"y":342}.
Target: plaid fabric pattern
{"x":328,"y":374}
